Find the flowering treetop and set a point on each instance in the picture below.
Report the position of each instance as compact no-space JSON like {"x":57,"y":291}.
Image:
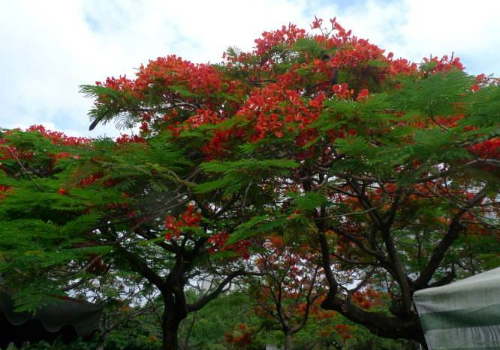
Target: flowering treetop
{"x":384,"y":170}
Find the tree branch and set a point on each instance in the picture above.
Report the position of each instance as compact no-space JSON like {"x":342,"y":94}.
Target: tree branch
{"x":449,"y":238}
{"x":143,"y":269}
{"x":204,"y":300}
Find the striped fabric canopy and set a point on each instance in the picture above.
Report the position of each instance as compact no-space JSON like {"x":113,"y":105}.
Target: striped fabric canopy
{"x":463,"y":315}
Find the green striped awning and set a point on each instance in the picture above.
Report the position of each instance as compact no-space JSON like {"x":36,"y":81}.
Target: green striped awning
{"x":463,"y":315}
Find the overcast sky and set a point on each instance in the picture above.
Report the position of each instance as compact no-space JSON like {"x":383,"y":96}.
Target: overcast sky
{"x":50,"y":47}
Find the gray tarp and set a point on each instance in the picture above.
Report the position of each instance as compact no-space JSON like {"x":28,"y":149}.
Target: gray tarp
{"x":463,"y":315}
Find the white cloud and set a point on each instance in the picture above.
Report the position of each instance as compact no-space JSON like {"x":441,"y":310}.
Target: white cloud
{"x":417,"y":28}
{"x":49,"y":48}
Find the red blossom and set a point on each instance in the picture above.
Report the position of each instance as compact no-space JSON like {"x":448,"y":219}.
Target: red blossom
{"x":203,"y":116}
{"x":124,"y":138}
{"x":62,"y":191}
{"x":89,"y":180}
{"x":342,"y":91}
{"x":4,"y":189}
{"x":59,"y":138}
{"x":286,"y":35}
{"x":174,"y":225}
{"x":444,"y":63}
{"x":363,"y":94}
{"x":316,"y":24}
{"x":489,"y":149}
{"x":218,"y":244}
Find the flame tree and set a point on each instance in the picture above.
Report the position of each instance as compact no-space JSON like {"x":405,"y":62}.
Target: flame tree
{"x":387,"y":168}
{"x":80,"y":216}
{"x":287,"y":286}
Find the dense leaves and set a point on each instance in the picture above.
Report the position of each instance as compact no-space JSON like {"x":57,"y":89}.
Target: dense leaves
{"x":383,"y":171}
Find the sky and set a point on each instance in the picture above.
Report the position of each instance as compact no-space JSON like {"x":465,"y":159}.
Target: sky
{"x":51,"y":47}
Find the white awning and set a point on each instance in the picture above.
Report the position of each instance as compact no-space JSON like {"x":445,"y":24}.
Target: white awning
{"x":463,"y":315}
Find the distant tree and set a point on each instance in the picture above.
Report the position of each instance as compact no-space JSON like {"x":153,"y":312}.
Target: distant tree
{"x":289,"y":282}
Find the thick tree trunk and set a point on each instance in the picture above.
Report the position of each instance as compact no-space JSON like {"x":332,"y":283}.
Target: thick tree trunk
{"x":403,"y":325}
{"x":170,"y":333}
{"x":175,"y":306}
{"x":170,"y":341}
{"x":380,"y":324}
{"x":288,"y":341}
{"x":175,"y":311}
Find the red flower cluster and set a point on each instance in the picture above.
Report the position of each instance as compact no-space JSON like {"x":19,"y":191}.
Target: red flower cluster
{"x":62,"y":191}
{"x":444,"y":63}
{"x":367,"y":298}
{"x":284,"y":36}
{"x":363,"y":95}
{"x":122,"y":83}
{"x":401,"y":66}
{"x":277,"y":110}
{"x":89,"y":180}
{"x":61,"y":155}
{"x":59,"y":138}
{"x":124,"y":138}
{"x":316,"y":24}
{"x":219,"y":144}
{"x":344,"y":331}
{"x":177,"y":81}
{"x":241,"y":337}
{"x":56,"y":137}
{"x":342,"y":91}
{"x":165,"y":72}
{"x":203,"y":116}
{"x":489,"y":149}
{"x":171,"y":70}
{"x":3,"y":191}
{"x":484,"y":80}
{"x":359,"y":53}
{"x":190,"y":218}
{"x":218,"y":244}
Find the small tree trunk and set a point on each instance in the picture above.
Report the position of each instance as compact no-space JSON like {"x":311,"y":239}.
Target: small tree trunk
{"x":288,"y":341}
{"x":175,"y":310}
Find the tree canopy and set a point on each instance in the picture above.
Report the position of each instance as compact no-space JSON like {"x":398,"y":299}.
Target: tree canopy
{"x":381,"y":174}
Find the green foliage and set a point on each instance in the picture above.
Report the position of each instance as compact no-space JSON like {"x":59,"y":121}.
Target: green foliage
{"x":434,"y":95}
{"x":257,"y":226}
{"x":309,"y":46}
{"x":484,"y":110}
{"x":308,"y":201}
{"x":237,"y":175}
{"x":368,"y":163}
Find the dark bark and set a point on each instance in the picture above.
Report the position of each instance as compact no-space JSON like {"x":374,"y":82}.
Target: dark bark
{"x":404,"y":322}
{"x":172,"y":286}
{"x":170,"y":330}
{"x":380,"y":324}
{"x":172,"y":291}
{"x":171,"y":321}
{"x":402,"y":326}
{"x":175,"y":311}
{"x":446,"y":242}
{"x":288,"y":341}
